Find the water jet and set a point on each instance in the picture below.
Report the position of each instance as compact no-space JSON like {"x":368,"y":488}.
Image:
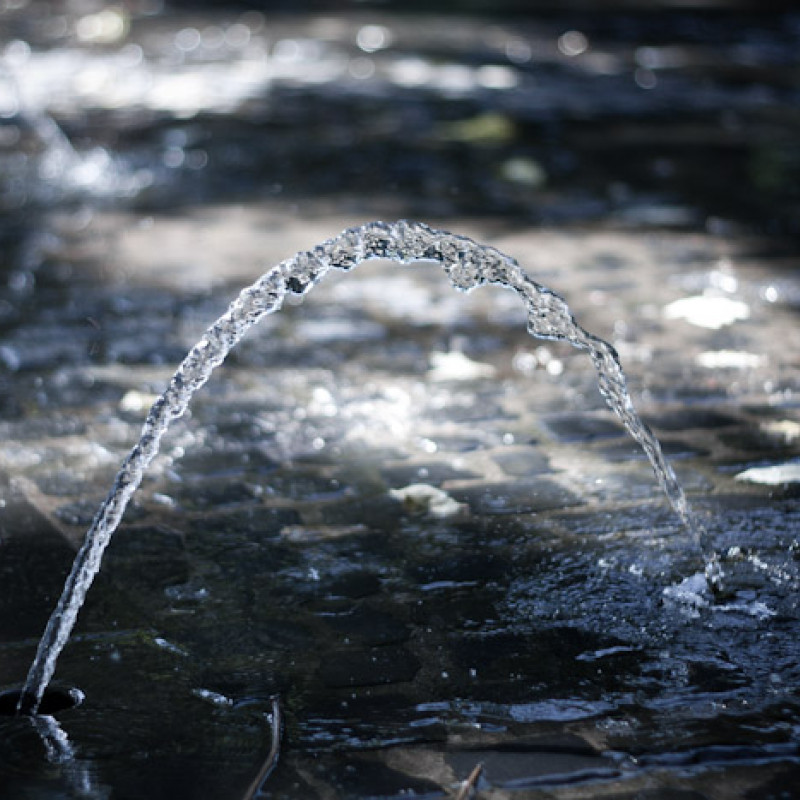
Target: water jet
{"x":467,"y":264}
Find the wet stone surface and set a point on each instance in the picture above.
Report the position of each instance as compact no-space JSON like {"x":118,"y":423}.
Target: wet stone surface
{"x":417,"y":526}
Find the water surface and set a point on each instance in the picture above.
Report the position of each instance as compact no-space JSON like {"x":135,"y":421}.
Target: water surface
{"x":534,"y":631}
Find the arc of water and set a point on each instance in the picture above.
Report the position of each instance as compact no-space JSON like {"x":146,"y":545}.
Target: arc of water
{"x":468,"y":265}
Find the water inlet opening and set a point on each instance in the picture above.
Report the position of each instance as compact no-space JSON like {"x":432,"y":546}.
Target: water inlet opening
{"x":54,"y":700}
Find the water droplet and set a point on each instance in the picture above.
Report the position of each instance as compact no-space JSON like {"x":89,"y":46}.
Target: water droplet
{"x":371,"y":38}
{"x":187,"y":39}
{"x":573,"y":43}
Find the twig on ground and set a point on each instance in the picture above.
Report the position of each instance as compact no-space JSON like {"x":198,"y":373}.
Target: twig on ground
{"x":272,"y":757}
{"x":468,"y":786}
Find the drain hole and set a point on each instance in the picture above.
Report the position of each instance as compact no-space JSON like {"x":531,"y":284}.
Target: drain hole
{"x":54,"y":700}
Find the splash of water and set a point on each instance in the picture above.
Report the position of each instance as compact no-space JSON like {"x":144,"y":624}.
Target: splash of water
{"x":468,"y":265}
{"x":63,"y":170}
{"x":60,"y":156}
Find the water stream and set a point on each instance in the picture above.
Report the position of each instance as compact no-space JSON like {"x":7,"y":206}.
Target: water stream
{"x":467,"y":264}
